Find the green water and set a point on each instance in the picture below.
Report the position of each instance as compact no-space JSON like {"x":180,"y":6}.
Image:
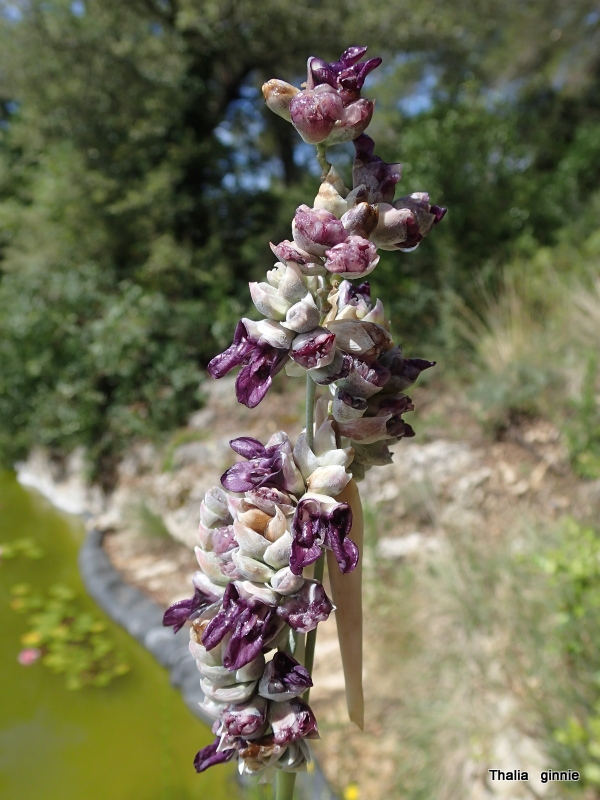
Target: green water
{"x":133,"y":740}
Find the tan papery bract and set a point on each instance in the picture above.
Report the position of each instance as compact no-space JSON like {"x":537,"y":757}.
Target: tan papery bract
{"x":346,"y":591}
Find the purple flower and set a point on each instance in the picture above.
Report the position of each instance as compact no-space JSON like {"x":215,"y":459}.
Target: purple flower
{"x":316,"y":230}
{"x":404,"y":371}
{"x":272,"y":465}
{"x":307,"y":115}
{"x":284,"y":678}
{"x":209,"y":756}
{"x":307,"y":536}
{"x":315,"y":349}
{"x":357,"y":296}
{"x":314,"y":526}
{"x":369,"y":170}
{"x":364,"y":380}
{"x":314,"y":113}
{"x":405,"y":224}
{"x":330,"y":108}
{"x":246,"y":719}
{"x":251,"y":623}
{"x":354,"y":258}
{"x":183,"y":610}
{"x":223,"y":540}
{"x":292,"y":720}
{"x":339,"y":368}
{"x":362,"y":218}
{"x":289,"y":253}
{"x":260,"y":361}
{"x":347,"y":75}
{"x":268,"y":499}
{"x":395,"y":407}
{"x":306,"y":608}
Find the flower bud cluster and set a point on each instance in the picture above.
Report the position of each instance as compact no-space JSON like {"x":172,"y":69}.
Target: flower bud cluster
{"x":278,"y":509}
{"x":329,"y":110}
{"x":251,"y":596}
{"x":369,"y":399}
{"x":338,"y":237}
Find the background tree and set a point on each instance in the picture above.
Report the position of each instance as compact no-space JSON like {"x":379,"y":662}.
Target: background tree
{"x":135,"y":201}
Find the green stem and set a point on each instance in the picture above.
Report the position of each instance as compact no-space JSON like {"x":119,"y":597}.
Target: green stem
{"x":311,"y":388}
{"x":322,"y":159}
{"x":284,"y":785}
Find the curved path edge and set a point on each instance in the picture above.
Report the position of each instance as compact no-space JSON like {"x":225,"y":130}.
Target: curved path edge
{"x":141,"y":617}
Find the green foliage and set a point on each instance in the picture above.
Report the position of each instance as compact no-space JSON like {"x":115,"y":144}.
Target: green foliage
{"x":25,"y":546}
{"x":574,"y":570}
{"x":140,"y":184}
{"x":508,"y":195}
{"x":582,"y":429}
{"x":73,"y":641}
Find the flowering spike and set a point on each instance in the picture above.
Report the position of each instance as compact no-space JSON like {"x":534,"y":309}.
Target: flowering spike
{"x":251,"y":596}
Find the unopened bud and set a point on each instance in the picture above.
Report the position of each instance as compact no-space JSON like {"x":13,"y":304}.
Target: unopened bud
{"x":268,"y":301}
{"x":328,"y":480}
{"x":251,"y":569}
{"x":303,"y":316}
{"x":361,"y":220}
{"x":278,"y":96}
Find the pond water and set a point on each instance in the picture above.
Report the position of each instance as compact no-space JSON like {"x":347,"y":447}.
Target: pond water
{"x":132,"y":740}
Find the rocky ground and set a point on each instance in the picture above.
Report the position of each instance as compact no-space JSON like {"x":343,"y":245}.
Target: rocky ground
{"x":450,"y":485}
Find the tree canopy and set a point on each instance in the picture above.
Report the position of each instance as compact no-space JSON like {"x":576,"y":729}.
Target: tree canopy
{"x":140,"y":181}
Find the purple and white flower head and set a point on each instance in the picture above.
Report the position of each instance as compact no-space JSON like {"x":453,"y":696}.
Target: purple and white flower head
{"x":353,"y":258}
{"x":370,"y":171}
{"x":271,"y":465}
{"x":261,"y":351}
{"x":330,"y":109}
{"x":281,"y":507}
{"x":316,"y":230}
{"x":320,"y":522}
{"x":404,"y":224}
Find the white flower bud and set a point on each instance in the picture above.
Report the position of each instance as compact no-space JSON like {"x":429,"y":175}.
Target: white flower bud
{"x":210,"y":658}
{"x":292,"y":285}
{"x":218,"y":676}
{"x":277,"y":526}
{"x":270,"y":332}
{"x":251,"y":671}
{"x":342,"y":457}
{"x":251,"y":569}
{"x":278,"y":553}
{"x":251,"y":543}
{"x":212,"y":708}
{"x":304,"y":456}
{"x":331,"y":200}
{"x":328,"y":480}
{"x":210,"y":564}
{"x":303,"y":316}
{"x":263,"y":593}
{"x":227,"y":694}
{"x":377,"y":315}
{"x":324,"y":438}
{"x":268,"y":301}
{"x":352,"y":337}
{"x":285,"y":582}
{"x":203,"y":582}
{"x":275,"y":275}
{"x":278,"y":96}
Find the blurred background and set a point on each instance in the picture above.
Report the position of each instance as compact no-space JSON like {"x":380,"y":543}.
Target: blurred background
{"x":141,"y":180}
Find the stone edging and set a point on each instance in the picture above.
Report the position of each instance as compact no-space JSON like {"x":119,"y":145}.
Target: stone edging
{"x":142,"y":618}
